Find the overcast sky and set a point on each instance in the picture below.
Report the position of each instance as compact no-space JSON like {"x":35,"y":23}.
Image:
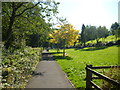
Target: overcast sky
{"x":89,"y":12}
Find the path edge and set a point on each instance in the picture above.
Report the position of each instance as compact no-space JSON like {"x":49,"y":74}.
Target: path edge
{"x":66,"y":76}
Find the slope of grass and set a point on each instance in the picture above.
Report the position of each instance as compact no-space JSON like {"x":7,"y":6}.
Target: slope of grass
{"x":75,"y":61}
{"x":108,"y":39}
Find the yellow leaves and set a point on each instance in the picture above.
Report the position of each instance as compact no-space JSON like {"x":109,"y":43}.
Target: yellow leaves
{"x":66,"y":32}
{"x":50,"y":35}
{"x":9,"y":69}
{"x":55,"y":31}
{"x":53,"y":41}
{"x":58,"y":26}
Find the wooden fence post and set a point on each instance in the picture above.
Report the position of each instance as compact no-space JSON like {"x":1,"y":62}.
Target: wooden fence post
{"x":88,"y":77}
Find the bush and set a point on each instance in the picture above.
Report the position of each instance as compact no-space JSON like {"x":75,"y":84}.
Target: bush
{"x":110,"y":43}
{"x":113,"y":74}
{"x":18,"y":66}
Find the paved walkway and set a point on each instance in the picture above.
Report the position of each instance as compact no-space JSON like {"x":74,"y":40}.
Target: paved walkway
{"x":48,"y":74}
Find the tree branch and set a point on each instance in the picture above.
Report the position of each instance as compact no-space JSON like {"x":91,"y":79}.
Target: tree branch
{"x":27,"y":9}
{"x":19,"y":5}
{"x":6,"y":13}
{"x":26,"y":18}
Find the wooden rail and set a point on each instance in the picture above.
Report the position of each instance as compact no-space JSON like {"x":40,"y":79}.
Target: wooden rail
{"x":89,"y":77}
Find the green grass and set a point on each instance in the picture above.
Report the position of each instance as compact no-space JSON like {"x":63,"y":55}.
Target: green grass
{"x":108,"y":39}
{"x":74,"y":63}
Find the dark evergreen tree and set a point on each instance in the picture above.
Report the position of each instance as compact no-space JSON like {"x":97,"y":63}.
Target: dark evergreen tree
{"x":83,"y":37}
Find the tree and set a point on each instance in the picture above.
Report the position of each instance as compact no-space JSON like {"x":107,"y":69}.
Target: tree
{"x":33,"y":40}
{"x":92,"y":33}
{"x":88,"y":33}
{"x":21,"y":19}
{"x":83,"y":38}
{"x":66,"y":35}
{"x":118,"y":31}
{"x":115,"y":29}
{"x":12,"y":15}
{"x":101,"y":32}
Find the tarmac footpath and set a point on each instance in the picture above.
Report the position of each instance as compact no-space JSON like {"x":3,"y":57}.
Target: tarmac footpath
{"x":48,"y":74}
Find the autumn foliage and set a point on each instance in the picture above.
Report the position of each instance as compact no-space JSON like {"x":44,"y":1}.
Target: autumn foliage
{"x":66,"y":34}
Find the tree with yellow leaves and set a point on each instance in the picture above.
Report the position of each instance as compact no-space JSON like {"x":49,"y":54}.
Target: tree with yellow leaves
{"x":66,"y":35}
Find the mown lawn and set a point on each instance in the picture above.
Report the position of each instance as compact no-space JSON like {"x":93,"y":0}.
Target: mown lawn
{"x":75,"y":61}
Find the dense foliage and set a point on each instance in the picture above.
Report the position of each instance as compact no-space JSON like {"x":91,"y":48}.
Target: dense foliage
{"x":17,"y":67}
{"x":115,"y":29}
{"x":93,"y":33}
{"x":22,"y":19}
{"x":24,"y":24}
{"x":114,"y":74}
{"x":66,"y":35}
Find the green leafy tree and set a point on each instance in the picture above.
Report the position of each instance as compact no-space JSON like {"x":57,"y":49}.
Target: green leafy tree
{"x":92,"y":33}
{"x":21,"y":19}
{"x":115,"y":29}
{"x":101,"y":32}
{"x":88,"y":33}
{"x":10,"y":10}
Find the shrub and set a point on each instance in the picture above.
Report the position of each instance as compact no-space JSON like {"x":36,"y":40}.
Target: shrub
{"x":114,"y":74}
{"x":18,"y":66}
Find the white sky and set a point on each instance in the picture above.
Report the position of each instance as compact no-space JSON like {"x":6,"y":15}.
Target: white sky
{"x":89,"y":12}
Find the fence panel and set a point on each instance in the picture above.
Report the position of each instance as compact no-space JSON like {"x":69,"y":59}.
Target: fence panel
{"x":89,"y":77}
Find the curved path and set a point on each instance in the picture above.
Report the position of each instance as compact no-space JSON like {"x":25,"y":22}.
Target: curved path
{"x":48,"y":74}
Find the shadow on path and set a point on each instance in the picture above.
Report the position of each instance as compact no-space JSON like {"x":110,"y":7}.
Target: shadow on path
{"x":35,"y":73}
{"x":47,"y":56}
{"x":48,"y":74}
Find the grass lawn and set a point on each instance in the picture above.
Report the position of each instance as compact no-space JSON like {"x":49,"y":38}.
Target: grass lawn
{"x":108,"y":39}
{"x":74,"y":63}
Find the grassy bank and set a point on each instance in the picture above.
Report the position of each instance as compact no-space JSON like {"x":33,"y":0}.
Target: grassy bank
{"x":104,"y":40}
{"x":75,"y":61}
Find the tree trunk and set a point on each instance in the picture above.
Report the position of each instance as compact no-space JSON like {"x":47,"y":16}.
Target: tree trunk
{"x":64,"y":51}
{"x":58,"y":50}
{"x":97,"y":41}
{"x":9,"y":33}
{"x":75,"y":44}
{"x":84,"y":44}
{"x":64,"y":48}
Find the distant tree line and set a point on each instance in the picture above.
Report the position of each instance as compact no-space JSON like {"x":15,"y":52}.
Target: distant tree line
{"x":115,"y":29}
{"x":95,"y":33}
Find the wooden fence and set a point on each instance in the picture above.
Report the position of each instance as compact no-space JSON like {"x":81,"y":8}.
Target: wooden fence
{"x":89,"y":78}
